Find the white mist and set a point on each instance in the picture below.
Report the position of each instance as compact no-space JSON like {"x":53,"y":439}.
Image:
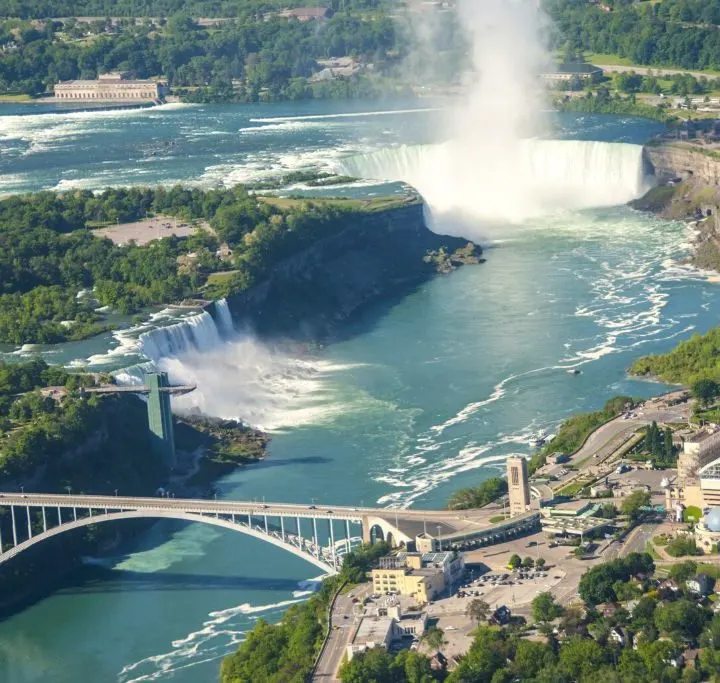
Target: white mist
{"x":495,"y":167}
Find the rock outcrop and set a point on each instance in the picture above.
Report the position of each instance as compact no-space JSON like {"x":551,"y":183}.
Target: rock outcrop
{"x":684,"y":160}
{"x":688,"y":188}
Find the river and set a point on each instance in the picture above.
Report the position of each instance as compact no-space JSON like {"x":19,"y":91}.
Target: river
{"x":420,"y":396}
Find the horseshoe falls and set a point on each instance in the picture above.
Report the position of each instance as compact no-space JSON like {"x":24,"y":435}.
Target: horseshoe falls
{"x":527,"y":180}
{"x":420,"y":395}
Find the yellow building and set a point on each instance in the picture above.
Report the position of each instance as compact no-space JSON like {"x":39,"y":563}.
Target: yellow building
{"x":420,"y":576}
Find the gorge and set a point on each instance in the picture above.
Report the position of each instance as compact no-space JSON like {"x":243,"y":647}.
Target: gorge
{"x":414,"y":396}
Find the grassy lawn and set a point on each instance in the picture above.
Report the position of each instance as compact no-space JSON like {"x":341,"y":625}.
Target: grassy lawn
{"x":498,"y":518}
{"x":651,"y":551}
{"x":222,"y":275}
{"x":376,"y":204}
{"x":572,"y":489}
{"x":603,"y":59}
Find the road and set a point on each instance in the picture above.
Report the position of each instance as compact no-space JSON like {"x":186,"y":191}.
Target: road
{"x":410,"y":522}
{"x":605,"y":440}
{"x":656,"y":70}
{"x":342,"y":626}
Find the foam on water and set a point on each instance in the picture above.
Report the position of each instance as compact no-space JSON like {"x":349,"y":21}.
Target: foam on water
{"x":218,"y":636}
{"x":249,"y":381}
{"x":41,"y":132}
{"x":533,"y":178}
{"x":346,"y":115}
{"x":198,"y":333}
{"x":625,"y":304}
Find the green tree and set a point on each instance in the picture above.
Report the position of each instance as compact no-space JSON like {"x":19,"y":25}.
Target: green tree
{"x":434,"y":638}
{"x":514,"y":562}
{"x":682,"y":571}
{"x":682,"y":618}
{"x":478,"y":610}
{"x":530,"y":658}
{"x":486,"y":656}
{"x":528,"y":563}
{"x":477,"y":497}
{"x":375,"y":665}
{"x":545,"y":608}
{"x":633,"y":504}
{"x":705,"y":391}
{"x":579,"y":657}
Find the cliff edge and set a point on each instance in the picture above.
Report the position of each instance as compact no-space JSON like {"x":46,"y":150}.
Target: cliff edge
{"x":383,"y":252}
{"x":688,"y":174}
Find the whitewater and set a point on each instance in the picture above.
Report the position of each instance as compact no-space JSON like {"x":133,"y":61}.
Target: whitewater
{"x":418,"y":397}
{"x":537,"y":177}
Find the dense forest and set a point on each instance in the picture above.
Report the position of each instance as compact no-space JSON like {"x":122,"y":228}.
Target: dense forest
{"x":681,"y":33}
{"x":48,"y":254}
{"x":236,"y":60}
{"x":697,"y":358}
{"x":35,"y":9}
{"x":256,"y":56}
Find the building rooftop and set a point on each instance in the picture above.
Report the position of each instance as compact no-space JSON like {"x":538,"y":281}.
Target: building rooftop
{"x":373,"y":630}
{"x":438,"y":559}
{"x":107,"y":81}
{"x":579,"y":508}
{"x":703,"y":435}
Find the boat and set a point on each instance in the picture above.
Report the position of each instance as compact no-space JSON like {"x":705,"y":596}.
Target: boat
{"x":574,"y":371}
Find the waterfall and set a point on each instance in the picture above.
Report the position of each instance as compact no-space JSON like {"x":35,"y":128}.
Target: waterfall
{"x":529,"y":179}
{"x":224,"y":317}
{"x":196,"y":333}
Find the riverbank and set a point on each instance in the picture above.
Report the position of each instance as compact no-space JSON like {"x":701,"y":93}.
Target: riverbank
{"x":591,"y":103}
{"x":688,"y":174}
{"x":384,"y":252}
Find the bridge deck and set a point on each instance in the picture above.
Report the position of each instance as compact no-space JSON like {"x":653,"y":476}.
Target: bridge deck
{"x":142,"y":389}
{"x":449,"y":523}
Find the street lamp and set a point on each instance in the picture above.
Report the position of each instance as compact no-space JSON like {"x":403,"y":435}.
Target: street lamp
{"x":439,"y":539}
{"x":68,"y":489}
{"x":22,"y":489}
{"x":116,"y":492}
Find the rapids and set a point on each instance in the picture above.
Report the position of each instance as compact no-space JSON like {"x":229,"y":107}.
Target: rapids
{"x":419,"y":397}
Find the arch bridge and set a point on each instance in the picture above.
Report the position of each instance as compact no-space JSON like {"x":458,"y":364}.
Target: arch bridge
{"x":321,"y":535}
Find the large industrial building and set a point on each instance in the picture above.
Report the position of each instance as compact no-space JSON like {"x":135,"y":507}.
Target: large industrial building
{"x":111,"y":87}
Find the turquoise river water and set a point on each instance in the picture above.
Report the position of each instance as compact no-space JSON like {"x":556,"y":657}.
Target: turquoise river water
{"x":421,"y":395}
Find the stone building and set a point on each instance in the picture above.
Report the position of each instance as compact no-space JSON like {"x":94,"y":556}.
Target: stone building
{"x":112,"y":87}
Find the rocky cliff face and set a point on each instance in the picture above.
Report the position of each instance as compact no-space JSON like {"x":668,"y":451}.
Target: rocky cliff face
{"x":689,"y":188}
{"x":684,"y":160}
{"x":308,"y":294}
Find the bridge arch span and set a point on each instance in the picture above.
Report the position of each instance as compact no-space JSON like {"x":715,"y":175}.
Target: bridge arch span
{"x":165,"y":514}
{"x":380,"y":529}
